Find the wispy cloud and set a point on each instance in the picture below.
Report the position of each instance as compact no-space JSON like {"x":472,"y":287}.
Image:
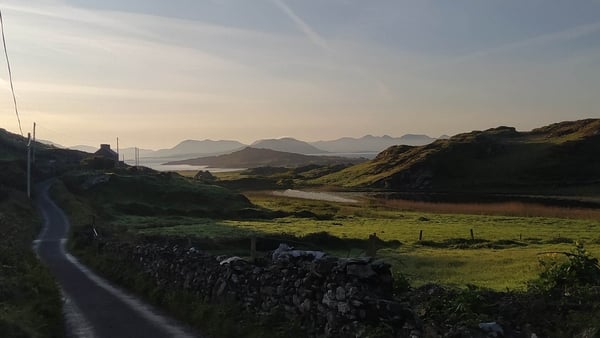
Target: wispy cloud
{"x":83,"y":17}
{"x":111,"y":92}
{"x":361,"y":69}
{"x":310,"y":33}
{"x":318,"y":40}
{"x":533,"y":42}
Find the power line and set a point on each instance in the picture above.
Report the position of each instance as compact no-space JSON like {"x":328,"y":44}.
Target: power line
{"x":12,"y":89}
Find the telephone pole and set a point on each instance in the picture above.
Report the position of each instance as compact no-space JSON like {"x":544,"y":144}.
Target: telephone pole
{"x":117,"y":152}
{"x":33,"y":145}
{"x":29,"y":165}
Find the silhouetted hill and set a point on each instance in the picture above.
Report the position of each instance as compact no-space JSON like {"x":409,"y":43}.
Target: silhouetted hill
{"x":198,"y":148}
{"x":254,"y":157}
{"x":50,"y":143}
{"x":371,"y":143}
{"x":562,"y":157}
{"x":84,"y":148}
{"x":288,"y":145}
{"x":48,"y":160}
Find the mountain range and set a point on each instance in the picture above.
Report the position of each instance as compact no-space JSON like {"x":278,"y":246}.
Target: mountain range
{"x":345,"y":145}
{"x":559,"y":159}
{"x":289,"y":145}
{"x":370,"y":143}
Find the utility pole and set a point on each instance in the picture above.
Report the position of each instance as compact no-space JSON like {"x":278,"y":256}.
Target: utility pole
{"x":117,"y":152}
{"x":33,"y":146}
{"x":29,"y":165}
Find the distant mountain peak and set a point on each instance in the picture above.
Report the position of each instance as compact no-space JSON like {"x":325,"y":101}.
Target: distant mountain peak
{"x":189,"y":148}
{"x":370,"y":143}
{"x":287,"y":144}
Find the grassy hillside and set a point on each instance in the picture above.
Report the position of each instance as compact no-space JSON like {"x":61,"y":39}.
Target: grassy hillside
{"x":560,"y":158}
{"x":150,"y":193}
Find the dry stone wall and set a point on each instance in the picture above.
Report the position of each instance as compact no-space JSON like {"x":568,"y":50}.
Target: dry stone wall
{"x":331,"y":296}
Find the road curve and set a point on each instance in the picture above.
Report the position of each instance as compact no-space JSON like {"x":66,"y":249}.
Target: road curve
{"x":93,"y":307}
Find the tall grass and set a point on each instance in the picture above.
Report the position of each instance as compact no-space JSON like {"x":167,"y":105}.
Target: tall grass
{"x":520,"y":209}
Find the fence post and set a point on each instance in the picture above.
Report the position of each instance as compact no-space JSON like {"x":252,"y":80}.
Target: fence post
{"x":421,"y":235}
{"x":372,"y":245}
{"x":472,"y":236}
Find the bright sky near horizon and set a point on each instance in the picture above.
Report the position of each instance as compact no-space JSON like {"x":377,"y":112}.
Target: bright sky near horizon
{"x":156,"y":72}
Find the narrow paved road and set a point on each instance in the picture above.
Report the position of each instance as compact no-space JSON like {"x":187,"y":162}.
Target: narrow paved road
{"x":93,"y":307}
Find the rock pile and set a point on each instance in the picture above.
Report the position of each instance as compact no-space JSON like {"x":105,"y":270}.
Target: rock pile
{"x":332,"y":296}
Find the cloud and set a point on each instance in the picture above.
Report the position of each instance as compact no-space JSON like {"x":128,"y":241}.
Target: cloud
{"x":380,"y":85}
{"x":536,"y":41}
{"x":113,"y":92}
{"x":310,"y":33}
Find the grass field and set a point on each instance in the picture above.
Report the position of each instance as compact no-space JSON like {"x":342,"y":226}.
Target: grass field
{"x":504,"y":252}
{"x":509,"y":239}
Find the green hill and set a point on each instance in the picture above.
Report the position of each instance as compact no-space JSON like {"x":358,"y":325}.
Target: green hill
{"x":150,"y":193}
{"x":559,"y":158}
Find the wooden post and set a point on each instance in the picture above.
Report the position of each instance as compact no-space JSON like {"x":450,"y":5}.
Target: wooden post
{"x":253,"y":248}
{"x":421,"y":235}
{"x":29,"y":165}
{"x":472,"y":236}
{"x":372,"y":245}
{"x":33,"y":146}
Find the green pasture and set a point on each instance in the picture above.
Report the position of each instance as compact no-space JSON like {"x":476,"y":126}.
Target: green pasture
{"x":504,"y":253}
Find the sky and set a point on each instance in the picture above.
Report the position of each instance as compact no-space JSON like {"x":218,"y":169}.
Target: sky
{"x":155,"y":72}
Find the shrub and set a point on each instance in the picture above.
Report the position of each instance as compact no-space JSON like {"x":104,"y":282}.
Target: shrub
{"x":580,"y":269}
{"x":401,"y":284}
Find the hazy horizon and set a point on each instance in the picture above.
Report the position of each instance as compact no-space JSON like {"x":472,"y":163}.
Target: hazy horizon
{"x":154,"y":73}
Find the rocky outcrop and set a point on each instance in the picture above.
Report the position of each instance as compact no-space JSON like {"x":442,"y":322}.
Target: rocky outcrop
{"x":330,"y":296}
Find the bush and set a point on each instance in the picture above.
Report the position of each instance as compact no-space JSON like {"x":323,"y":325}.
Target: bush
{"x":580,"y":269}
{"x":401,"y":284}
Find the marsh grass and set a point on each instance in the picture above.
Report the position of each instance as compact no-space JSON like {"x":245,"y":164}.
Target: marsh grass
{"x":504,"y":209}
